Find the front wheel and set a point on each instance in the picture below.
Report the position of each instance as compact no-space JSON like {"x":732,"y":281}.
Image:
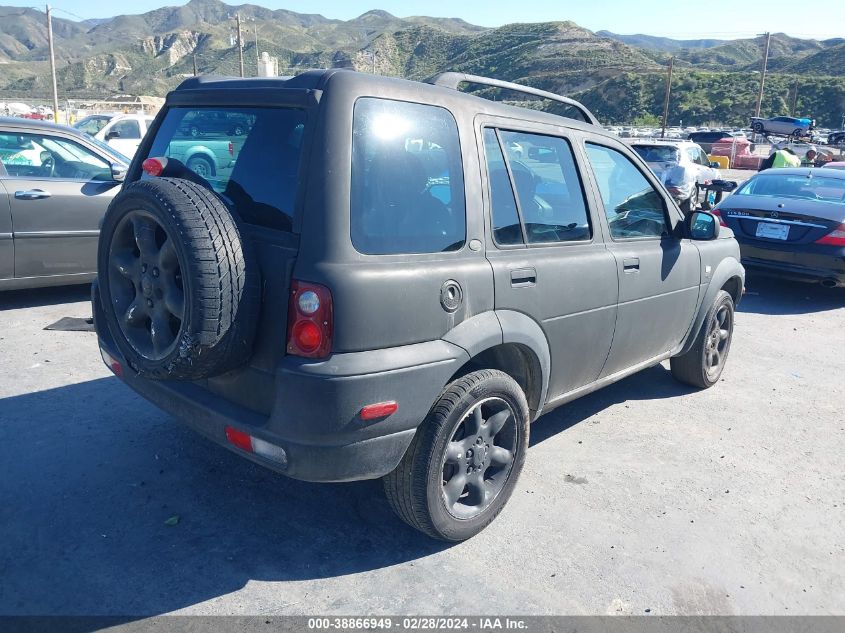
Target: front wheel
{"x":703,"y":364}
{"x":463,"y":463}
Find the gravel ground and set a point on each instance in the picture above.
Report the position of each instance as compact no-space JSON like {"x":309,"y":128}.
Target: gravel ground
{"x":646,"y":495}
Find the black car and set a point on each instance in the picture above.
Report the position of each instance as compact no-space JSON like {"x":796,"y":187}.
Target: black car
{"x":215,"y":122}
{"x":707,"y":139}
{"x":836,"y":138}
{"x":791,"y":222}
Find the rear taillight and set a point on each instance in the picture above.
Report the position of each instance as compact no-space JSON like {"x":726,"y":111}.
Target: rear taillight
{"x":310,"y":320}
{"x":231,"y":148}
{"x":718,"y":214}
{"x":835,"y":237}
{"x":154,"y":166}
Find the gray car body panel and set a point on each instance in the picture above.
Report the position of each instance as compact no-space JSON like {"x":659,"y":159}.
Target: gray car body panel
{"x":393,"y":339}
{"x":53,"y":239}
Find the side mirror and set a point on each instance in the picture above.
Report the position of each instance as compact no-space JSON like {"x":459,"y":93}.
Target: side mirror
{"x":112,"y":134}
{"x":118,"y":172}
{"x":703,"y":226}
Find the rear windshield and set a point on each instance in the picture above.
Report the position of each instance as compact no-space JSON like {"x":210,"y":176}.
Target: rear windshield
{"x":250,"y":156}
{"x":657,"y":153}
{"x":795,"y":186}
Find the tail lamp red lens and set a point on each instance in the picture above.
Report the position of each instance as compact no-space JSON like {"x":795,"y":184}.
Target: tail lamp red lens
{"x":231,"y":148}
{"x":835,"y":237}
{"x":154,"y":166}
{"x":718,"y":214}
{"x":310,"y":320}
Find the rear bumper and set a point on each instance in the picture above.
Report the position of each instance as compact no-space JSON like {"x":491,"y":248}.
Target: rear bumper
{"x":315,"y":419}
{"x":799,"y":263}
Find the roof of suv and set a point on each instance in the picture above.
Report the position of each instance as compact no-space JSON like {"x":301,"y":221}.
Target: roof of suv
{"x":315,"y":80}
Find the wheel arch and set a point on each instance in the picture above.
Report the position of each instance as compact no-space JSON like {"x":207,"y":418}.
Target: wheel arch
{"x":729,"y":276}
{"x":511,"y":342}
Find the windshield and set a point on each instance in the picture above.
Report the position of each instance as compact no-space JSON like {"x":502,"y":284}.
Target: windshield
{"x":92,"y":124}
{"x":807,"y":187}
{"x":108,"y":149}
{"x":250,"y":156}
{"x":657,"y":153}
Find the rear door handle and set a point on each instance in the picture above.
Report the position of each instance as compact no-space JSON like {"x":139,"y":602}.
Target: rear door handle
{"x":32,"y":194}
{"x":631,"y":264}
{"x":523,"y":277}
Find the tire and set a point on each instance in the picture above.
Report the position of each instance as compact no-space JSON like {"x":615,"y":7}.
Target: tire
{"x":757,"y":127}
{"x":695,"y":367}
{"x":194,"y":131}
{"x":201,"y":166}
{"x":179,"y":287}
{"x":417,"y":488}
{"x":239,"y":130}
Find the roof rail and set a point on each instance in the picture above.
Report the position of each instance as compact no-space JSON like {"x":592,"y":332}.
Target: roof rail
{"x":453,"y":80}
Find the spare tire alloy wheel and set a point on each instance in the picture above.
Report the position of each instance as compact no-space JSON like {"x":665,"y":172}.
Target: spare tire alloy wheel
{"x":178,"y":285}
{"x":151,"y":306}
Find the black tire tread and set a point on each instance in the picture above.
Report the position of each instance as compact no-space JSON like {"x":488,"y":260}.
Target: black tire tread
{"x":689,"y":367}
{"x":405,"y":487}
{"x":224,"y":298}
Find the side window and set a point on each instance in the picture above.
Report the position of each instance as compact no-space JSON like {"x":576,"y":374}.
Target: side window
{"x":407,"y":179}
{"x":36,"y":156}
{"x":633,"y":206}
{"x":507,"y":229}
{"x":127,"y":129}
{"x":549,"y":193}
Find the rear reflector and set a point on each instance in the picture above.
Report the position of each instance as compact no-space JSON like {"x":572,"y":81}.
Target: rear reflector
{"x":379,"y":410}
{"x":835,"y":237}
{"x":240,"y":439}
{"x":718,"y":215}
{"x":112,"y":363}
{"x":257,"y":446}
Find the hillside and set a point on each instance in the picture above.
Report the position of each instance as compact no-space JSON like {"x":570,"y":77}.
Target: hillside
{"x":621,"y":77}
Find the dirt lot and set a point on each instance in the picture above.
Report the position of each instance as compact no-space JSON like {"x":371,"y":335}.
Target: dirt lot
{"x":644,"y":496}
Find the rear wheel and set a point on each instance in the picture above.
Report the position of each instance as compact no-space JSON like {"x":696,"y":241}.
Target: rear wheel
{"x":703,"y":364}
{"x":463,"y":463}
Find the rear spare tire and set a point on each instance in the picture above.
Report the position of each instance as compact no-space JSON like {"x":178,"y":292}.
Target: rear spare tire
{"x":178,"y":284}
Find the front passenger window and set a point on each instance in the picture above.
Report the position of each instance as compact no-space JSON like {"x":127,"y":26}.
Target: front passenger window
{"x":634,"y":208}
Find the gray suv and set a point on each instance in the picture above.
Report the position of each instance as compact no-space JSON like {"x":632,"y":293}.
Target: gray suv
{"x":396,"y":278}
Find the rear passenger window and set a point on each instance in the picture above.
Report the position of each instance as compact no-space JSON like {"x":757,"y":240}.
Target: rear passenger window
{"x":407,"y":179}
{"x":506,"y":227}
{"x":547,"y":186}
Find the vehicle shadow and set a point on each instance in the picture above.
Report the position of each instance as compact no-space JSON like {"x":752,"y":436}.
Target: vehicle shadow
{"x":649,"y":384}
{"x":772,"y":295}
{"x":32,"y":297}
{"x":91,"y":473}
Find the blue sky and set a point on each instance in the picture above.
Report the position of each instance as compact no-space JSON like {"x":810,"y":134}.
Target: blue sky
{"x":724,"y":19}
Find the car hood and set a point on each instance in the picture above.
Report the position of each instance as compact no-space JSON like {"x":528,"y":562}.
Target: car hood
{"x":834,"y":211}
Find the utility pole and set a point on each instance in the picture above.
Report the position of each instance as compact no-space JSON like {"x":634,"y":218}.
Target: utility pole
{"x":763,"y":74}
{"x":255,"y":32}
{"x":794,"y":98}
{"x":195,"y":64}
{"x":240,"y":44}
{"x":52,"y":64}
{"x":666,"y":98}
